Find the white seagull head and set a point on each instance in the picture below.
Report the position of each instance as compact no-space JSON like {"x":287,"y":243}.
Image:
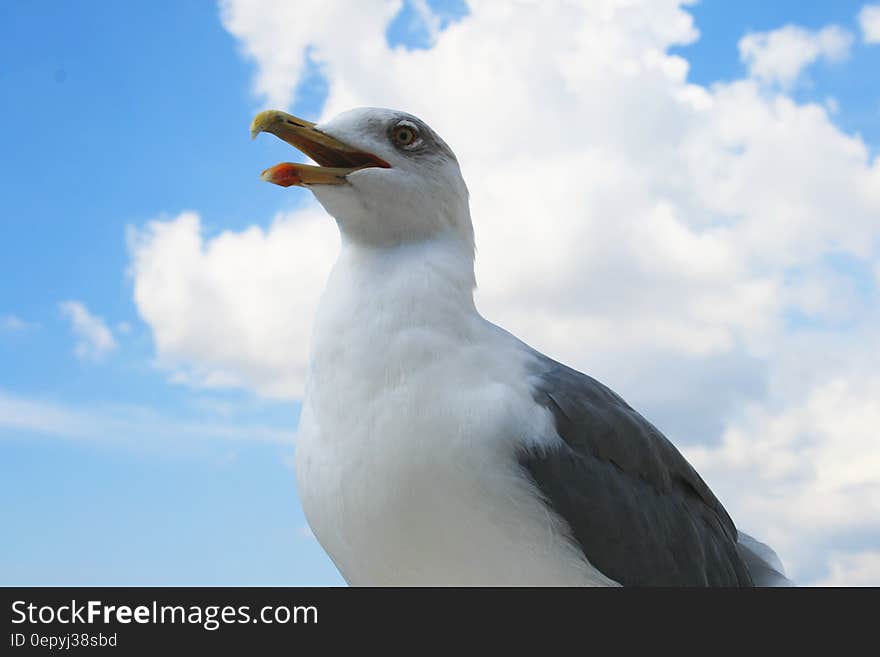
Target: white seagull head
{"x":385,"y":175}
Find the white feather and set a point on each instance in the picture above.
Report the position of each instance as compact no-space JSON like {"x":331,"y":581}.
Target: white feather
{"x":415,"y":407}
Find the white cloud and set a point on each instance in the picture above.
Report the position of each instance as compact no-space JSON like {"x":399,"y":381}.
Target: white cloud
{"x":780,"y":56}
{"x":804,"y":471}
{"x":854,"y":569}
{"x":134,"y":425}
{"x":15,"y":324}
{"x":234,"y":309}
{"x":293,"y":27}
{"x":94,"y":339}
{"x":869,"y":22}
{"x":679,"y":242}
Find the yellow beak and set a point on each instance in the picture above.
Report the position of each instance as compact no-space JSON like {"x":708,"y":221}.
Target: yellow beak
{"x":335,"y":159}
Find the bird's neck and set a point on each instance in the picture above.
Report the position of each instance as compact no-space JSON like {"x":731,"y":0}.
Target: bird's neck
{"x":413,"y":283}
{"x":403,"y":304}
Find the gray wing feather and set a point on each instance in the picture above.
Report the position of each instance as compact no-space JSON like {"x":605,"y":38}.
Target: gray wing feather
{"x":639,"y":511}
{"x":764,"y":565}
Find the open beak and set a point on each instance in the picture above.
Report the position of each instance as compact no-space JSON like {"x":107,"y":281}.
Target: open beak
{"x":335,"y":159}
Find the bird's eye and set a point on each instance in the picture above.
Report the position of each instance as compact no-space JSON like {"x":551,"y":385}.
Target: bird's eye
{"x":405,"y":135}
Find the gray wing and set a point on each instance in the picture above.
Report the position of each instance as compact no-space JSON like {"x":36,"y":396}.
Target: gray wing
{"x":639,"y":511}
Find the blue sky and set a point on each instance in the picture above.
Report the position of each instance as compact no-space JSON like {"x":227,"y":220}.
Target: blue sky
{"x":127,"y":110}
{"x":114,"y":114}
{"x":714,"y":57}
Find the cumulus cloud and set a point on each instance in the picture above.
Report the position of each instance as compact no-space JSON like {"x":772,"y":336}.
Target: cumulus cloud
{"x":780,"y":56}
{"x":94,"y":339}
{"x":854,"y":569}
{"x":805,"y":471}
{"x":869,"y":22}
{"x":708,"y":251}
{"x":234,"y":309}
{"x":294,"y":27}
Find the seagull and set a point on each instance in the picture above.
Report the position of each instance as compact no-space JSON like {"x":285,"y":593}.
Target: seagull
{"x":437,"y":449}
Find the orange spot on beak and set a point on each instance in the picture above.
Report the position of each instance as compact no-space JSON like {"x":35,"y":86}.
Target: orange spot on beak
{"x":284,"y":174}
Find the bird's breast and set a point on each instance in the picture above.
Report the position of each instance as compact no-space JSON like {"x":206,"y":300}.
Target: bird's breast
{"x":406,"y":463}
